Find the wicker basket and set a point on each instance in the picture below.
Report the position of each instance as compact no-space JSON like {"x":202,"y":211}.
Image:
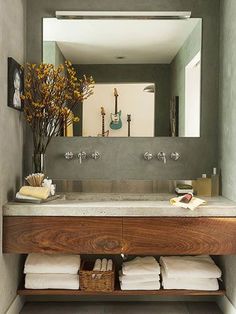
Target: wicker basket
{"x":93,"y":280}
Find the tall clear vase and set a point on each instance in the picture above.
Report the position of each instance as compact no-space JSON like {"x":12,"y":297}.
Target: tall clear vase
{"x":39,"y":163}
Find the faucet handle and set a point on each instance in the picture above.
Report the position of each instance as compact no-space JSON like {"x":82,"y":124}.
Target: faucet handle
{"x":161,"y":156}
{"x":148,"y":156}
{"x":95,"y":155}
{"x":175,"y":156}
{"x":69,"y":155}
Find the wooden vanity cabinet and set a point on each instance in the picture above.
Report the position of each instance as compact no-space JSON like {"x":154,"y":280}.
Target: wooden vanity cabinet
{"x":179,"y":236}
{"x":62,"y":235}
{"x":114,"y":235}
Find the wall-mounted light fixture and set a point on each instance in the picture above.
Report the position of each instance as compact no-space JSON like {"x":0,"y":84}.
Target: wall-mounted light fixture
{"x":149,"y":15}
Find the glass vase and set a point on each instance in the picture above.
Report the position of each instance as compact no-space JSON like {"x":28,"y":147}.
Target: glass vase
{"x":39,"y":163}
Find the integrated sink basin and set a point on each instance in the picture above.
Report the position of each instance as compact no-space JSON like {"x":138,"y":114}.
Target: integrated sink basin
{"x":119,"y":205}
{"x":117,"y":197}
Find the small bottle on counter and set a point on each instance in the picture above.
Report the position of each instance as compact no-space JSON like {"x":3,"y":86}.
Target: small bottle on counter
{"x":215,"y":182}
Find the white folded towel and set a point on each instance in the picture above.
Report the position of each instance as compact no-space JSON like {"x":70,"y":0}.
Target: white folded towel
{"x":109,"y":265}
{"x":201,"y":266}
{"x":52,"y":264}
{"x":52,"y":281}
{"x":141,"y":285}
{"x":138,"y":278}
{"x":104,"y":264}
{"x":97,"y":265}
{"x":24,"y":197}
{"x":189,"y":283}
{"x":141,"y":265}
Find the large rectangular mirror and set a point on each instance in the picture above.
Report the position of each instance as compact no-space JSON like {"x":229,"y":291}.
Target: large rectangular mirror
{"x":147,"y":74}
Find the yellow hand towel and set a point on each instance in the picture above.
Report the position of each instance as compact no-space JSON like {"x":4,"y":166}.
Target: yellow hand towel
{"x":38,"y":192}
{"x":193,"y":204}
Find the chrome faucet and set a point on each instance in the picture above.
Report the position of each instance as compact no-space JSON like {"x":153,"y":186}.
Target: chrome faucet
{"x":82,"y":156}
{"x":162,"y":157}
{"x":148,"y":156}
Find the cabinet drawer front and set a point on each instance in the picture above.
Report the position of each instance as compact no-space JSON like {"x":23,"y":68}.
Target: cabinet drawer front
{"x":180,"y":236}
{"x":62,"y":234}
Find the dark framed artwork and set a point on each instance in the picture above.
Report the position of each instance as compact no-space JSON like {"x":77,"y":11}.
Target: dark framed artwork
{"x":15,"y":84}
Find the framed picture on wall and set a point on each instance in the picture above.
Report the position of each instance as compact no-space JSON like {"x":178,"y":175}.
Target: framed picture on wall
{"x":15,"y":84}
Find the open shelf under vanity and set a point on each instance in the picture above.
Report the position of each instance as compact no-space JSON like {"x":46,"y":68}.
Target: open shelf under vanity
{"x":161,"y":292}
{"x":118,"y":292}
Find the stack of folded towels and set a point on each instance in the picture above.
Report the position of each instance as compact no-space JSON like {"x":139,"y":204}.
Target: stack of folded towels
{"x":33,"y":193}
{"x":45,"y":271}
{"x":189,"y":273}
{"x":142,"y":273}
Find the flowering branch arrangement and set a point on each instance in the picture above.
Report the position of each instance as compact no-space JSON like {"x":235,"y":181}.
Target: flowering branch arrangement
{"x":50,"y":95}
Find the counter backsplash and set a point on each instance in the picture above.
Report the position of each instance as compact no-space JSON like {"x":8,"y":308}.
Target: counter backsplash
{"x":117,"y":186}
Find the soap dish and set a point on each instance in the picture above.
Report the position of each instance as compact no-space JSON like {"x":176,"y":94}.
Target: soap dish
{"x":49,"y":199}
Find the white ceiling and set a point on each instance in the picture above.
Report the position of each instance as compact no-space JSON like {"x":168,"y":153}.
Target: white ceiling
{"x":102,"y":41}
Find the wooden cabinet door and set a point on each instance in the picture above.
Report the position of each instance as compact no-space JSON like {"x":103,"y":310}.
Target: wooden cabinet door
{"x":179,"y":236}
{"x":62,"y":235}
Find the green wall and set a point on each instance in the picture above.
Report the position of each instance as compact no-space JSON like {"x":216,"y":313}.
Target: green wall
{"x":227,"y":123}
{"x":52,"y":53}
{"x":187,"y":52}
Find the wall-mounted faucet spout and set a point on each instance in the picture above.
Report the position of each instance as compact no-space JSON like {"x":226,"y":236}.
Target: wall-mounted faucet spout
{"x":162,"y":157}
{"x":82,"y":156}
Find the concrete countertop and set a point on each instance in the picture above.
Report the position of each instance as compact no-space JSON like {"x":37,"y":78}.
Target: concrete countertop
{"x":114,"y":205}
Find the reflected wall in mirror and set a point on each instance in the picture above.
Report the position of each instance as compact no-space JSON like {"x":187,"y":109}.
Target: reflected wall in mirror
{"x":154,"y":65}
{"x":119,"y":101}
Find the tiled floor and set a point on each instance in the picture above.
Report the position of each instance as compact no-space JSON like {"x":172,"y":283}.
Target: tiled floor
{"x":121,"y":308}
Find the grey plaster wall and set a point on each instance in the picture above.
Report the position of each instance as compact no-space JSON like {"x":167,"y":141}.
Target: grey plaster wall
{"x":123,"y":159}
{"x":12,"y":41}
{"x":227,"y":143}
{"x":199,"y":155}
{"x":187,"y":52}
{"x":133,"y":73}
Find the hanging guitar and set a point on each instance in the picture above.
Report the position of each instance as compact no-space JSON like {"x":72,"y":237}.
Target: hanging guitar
{"x":104,"y":133}
{"x":116,"y":122}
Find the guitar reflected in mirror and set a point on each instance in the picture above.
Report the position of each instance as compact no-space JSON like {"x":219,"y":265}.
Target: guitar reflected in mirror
{"x":129,"y":121}
{"x":104,"y":133}
{"x":116,"y":122}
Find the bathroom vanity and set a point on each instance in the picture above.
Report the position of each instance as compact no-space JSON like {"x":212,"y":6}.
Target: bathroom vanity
{"x":120,"y":226}
{"x":133,"y":227}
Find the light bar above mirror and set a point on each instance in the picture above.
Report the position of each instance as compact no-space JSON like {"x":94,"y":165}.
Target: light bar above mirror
{"x":156,"y":15}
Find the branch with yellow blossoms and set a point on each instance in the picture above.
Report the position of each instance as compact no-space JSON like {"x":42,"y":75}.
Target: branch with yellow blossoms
{"x":51,"y":93}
